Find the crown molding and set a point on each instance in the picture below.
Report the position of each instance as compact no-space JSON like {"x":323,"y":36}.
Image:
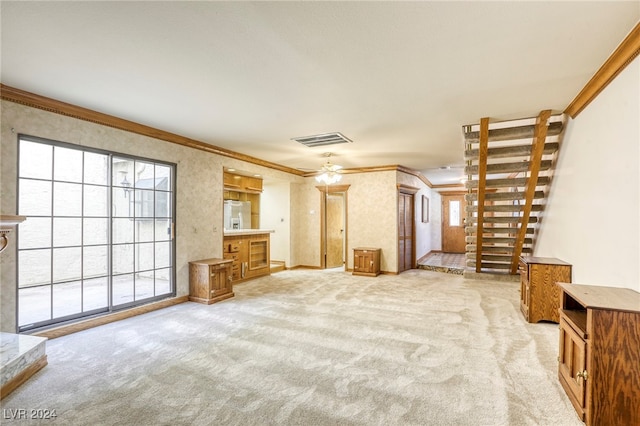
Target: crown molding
{"x":626,"y":52}
{"x":33,"y":100}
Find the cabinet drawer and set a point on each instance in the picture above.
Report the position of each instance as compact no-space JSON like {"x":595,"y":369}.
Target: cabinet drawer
{"x":231,"y":247}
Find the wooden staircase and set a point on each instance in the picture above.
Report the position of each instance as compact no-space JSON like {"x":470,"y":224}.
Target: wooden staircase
{"x":509,"y":166}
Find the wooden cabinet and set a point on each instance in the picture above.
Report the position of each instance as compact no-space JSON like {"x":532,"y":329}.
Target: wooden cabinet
{"x":249,"y":255}
{"x":599,"y":353}
{"x":240,"y":183}
{"x":210,"y":280}
{"x":366,"y":261}
{"x":539,"y":294}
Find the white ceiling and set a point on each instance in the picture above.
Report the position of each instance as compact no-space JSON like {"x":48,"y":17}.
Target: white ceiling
{"x":400,"y":79}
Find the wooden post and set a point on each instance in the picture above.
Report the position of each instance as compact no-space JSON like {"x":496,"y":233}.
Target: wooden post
{"x":532,"y":182}
{"x":482,"y":179}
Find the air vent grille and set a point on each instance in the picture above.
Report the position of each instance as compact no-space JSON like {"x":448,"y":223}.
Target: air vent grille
{"x":322,"y":140}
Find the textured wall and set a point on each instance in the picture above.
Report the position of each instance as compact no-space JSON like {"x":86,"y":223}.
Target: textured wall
{"x":591,"y":219}
{"x":372,"y":216}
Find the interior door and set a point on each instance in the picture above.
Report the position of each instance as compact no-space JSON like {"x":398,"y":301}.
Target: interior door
{"x":453,"y":235}
{"x":335,"y":230}
{"x":405,"y":231}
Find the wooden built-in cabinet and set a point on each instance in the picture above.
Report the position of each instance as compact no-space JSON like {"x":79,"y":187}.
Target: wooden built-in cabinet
{"x":239,"y":183}
{"x":244,"y":188}
{"x":599,"y":354}
{"x":249,"y":255}
{"x":366,"y":261}
{"x":539,"y":294}
{"x":210,"y":280}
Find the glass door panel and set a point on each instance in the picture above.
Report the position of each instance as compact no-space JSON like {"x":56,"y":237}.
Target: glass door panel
{"x":98,"y":232}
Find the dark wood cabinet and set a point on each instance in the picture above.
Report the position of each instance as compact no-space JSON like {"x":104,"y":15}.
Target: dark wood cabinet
{"x":366,"y":261}
{"x":599,"y":353}
{"x":210,"y":280}
{"x":539,"y":294}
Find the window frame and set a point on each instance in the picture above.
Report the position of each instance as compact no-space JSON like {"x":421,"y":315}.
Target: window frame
{"x":109,"y":216}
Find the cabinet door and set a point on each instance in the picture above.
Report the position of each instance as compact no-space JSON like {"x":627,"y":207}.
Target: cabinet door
{"x":258,"y":254}
{"x":362,"y":261}
{"x":572,"y":364}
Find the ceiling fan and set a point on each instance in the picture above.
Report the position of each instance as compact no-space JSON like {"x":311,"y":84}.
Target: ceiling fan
{"x":329,"y":173}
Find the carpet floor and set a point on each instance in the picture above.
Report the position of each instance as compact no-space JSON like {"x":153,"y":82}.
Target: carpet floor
{"x":308,"y":347}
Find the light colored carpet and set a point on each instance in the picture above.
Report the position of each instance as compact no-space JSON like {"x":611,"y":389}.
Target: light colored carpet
{"x":313,"y":348}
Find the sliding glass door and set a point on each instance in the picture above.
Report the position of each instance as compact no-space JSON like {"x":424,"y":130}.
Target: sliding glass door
{"x":98,"y":235}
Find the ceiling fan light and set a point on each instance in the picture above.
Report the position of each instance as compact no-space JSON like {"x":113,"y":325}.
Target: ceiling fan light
{"x":329,"y":178}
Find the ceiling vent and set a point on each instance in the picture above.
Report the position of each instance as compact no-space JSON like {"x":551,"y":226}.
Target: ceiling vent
{"x":322,"y":140}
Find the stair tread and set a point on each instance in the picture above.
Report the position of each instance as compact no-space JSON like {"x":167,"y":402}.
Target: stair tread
{"x":491,"y":257}
{"x":510,"y":151}
{"x":513,"y":133}
{"x":499,"y":219}
{"x":496,"y":240}
{"x":508,"y":182}
{"x":518,"y":166}
{"x":490,"y":265}
{"x":505,"y":208}
{"x":496,"y":230}
{"x":471,"y":248}
{"x":513,"y":195}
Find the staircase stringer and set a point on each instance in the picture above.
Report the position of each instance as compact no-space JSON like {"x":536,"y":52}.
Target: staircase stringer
{"x":482,"y":179}
{"x":534,"y":169}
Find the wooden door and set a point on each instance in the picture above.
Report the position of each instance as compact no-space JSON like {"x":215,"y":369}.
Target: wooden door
{"x":405,"y":231}
{"x":335,"y":230}
{"x":453,"y":235}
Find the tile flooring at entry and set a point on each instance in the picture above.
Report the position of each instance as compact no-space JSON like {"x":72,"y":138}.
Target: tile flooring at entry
{"x":451,"y":263}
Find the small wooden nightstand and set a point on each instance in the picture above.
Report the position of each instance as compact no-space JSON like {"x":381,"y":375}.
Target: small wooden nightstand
{"x":599,"y":354}
{"x":366,"y":261}
{"x":210,"y":280}
{"x":539,"y":294}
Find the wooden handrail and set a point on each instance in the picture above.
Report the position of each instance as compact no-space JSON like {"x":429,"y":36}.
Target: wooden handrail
{"x":534,"y":170}
{"x":619,"y":59}
{"x":482,"y":179}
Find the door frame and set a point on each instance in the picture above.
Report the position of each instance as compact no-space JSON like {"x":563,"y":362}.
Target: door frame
{"x":324,"y":190}
{"x":411,"y":191}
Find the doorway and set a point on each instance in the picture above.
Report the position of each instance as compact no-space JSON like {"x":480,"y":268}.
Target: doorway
{"x":334,"y":231}
{"x":453,"y":234}
{"x":333,"y":226}
{"x":406,"y":228}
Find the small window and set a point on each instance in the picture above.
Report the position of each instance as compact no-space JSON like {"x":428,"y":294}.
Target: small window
{"x":454,"y":213}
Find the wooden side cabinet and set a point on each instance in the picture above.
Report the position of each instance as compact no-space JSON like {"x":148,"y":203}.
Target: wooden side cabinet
{"x":249,"y":254}
{"x":366,"y":261}
{"x":599,"y":353}
{"x":539,"y":294}
{"x":210,"y":280}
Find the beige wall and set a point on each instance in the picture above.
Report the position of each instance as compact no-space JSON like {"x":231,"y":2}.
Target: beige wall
{"x":591,"y":219}
{"x":372,"y":216}
{"x":275,"y":213}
